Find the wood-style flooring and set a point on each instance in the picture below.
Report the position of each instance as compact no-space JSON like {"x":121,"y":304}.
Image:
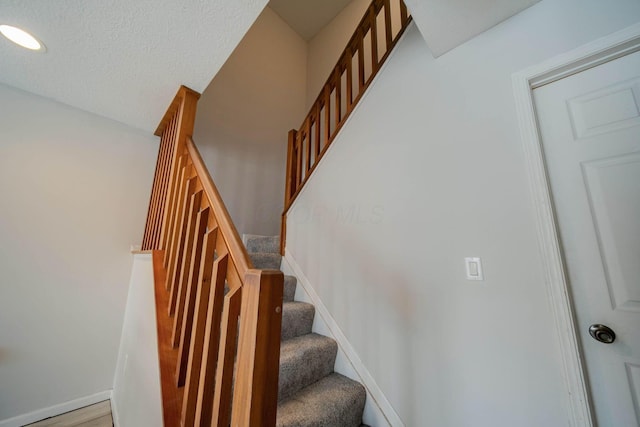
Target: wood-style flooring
{"x":98,"y":415}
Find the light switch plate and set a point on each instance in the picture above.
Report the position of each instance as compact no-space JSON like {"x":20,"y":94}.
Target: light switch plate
{"x":474,"y":268}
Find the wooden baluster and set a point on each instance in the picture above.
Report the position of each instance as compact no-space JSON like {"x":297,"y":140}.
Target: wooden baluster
{"x":196,"y":344}
{"x":146,"y":240}
{"x":338,"y":83}
{"x":172,"y":203}
{"x":404,"y":15}
{"x":147,"y":229}
{"x":374,"y":39}
{"x":160,"y":196}
{"x":186,"y":118}
{"x":307,"y":137}
{"x":349,"y":67}
{"x":387,"y":24}
{"x":291,"y":168}
{"x":182,"y":331}
{"x":360,"y":62}
{"x":204,"y":404}
{"x":180,"y":235}
{"x":316,"y":119}
{"x":156,"y":194}
{"x":170,"y":252}
{"x":290,"y":182}
{"x":164,"y":189}
{"x":256,"y":387}
{"x":327,"y":116}
{"x":179,"y":286}
{"x":300,"y":171}
{"x":221,"y":413}
{"x":176,"y":194}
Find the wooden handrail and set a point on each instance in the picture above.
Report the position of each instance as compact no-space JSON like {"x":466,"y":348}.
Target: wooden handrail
{"x":173,"y":109}
{"x":378,"y":32}
{"x":237,"y":251}
{"x":204,"y":336}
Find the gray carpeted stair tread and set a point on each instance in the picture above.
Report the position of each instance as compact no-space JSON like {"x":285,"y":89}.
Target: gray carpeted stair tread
{"x":303,"y":361}
{"x":297,"y":319}
{"x":256,"y":243}
{"x":265,"y":260}
{"x":333,"y":401}
{"x":310,"y":394}
{"x":290,"y":283}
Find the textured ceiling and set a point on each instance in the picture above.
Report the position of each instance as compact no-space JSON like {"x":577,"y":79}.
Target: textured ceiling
{"x":446,"y":24}
{"x":123,"y":59}
{"x":308,"y":17}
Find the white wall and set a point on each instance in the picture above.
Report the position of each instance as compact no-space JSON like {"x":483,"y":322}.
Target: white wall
{"x":73,"y":194}
{"x":430,"y":170}
{"x":137,"y":398}
{"x":244,"y":117}
{"x":326,"y":46}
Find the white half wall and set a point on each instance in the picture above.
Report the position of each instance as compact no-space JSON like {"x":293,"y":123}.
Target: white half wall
{"x":137,"y":397}
{"x":73,"y":195}
{"x":430,"y":170}
{"x":244,"y":117}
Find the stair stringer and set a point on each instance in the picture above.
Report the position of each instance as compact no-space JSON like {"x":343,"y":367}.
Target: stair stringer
{"x":378,"y":411}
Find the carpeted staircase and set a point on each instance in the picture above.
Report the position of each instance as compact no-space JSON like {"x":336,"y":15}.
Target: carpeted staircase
{"x":310,"y":393}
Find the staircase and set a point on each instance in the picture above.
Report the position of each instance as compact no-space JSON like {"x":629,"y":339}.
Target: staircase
{"x":310,"y":393}
{"x":247,"y":357}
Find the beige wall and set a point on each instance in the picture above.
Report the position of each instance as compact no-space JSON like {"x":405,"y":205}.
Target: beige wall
{"x":326,"y":46}
{"x":244,"y":117}
{"x":264,"y":90}
{"x":73,"y":192}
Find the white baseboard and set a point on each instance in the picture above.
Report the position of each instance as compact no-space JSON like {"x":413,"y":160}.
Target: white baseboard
{"x":114,"y":412}
{"x":378,"y":411}
{"x":56,"y":410}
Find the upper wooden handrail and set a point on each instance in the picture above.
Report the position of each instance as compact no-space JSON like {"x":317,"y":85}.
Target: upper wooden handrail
{"x":237,"y":251}
{"x":370,"y":45}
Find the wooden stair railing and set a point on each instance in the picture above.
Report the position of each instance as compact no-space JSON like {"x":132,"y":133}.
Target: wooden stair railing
{"x":369,"y":47}
{"x":218,"y":318}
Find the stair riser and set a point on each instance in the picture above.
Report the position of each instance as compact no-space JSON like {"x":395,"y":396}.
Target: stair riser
{"x":266,"y":261}
{"x":303,"y":361}
{"x":297,"y":319}
{"x":262,"y":243}
{"x":290,"y":284}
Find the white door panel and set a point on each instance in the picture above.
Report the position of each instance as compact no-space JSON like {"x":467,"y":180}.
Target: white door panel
{"x":590,"y":127}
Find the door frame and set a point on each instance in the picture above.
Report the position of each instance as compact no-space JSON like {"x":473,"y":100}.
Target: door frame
{"x":602,"y":50}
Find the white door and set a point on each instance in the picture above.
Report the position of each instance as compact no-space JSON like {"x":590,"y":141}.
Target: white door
{"x":590,"y":127}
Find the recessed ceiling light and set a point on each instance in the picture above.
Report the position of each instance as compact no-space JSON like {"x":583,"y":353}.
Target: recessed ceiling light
{"x":22,"y":38}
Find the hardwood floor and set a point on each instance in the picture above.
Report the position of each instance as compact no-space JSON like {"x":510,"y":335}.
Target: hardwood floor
{"x":98,"y":415}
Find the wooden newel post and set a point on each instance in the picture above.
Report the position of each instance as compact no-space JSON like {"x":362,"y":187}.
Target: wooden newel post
{"x":290,"y":182}
{"x":290,"y":185}
{"x":255,"y":398}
